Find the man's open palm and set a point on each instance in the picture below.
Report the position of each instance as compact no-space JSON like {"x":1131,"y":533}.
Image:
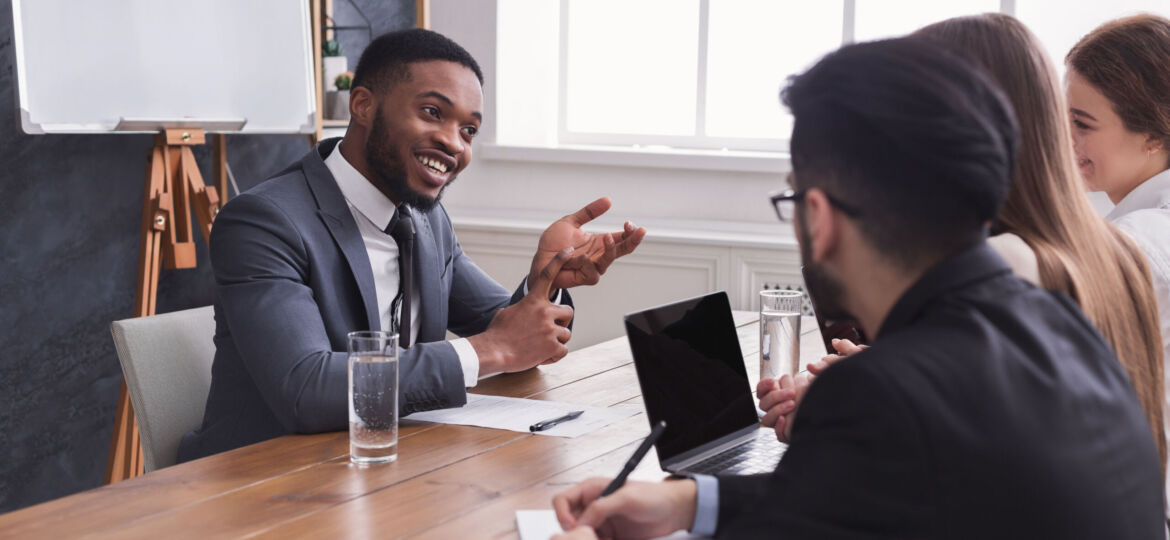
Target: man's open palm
{"x":592,"y":252}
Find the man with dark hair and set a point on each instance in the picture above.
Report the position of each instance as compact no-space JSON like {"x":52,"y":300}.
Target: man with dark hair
{"x":353,"y":237}
{"x":985,"y":408}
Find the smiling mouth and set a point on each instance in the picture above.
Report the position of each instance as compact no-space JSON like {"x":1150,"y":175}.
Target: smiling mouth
{"x":434,"y":165}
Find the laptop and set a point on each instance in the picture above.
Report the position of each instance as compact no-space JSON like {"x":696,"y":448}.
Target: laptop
{"x":692,"y":375}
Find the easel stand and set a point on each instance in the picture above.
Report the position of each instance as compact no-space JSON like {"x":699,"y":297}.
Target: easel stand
{"x":173,"y":187}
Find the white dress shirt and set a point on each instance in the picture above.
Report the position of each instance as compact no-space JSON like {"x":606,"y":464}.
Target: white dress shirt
{"x":372,"y":211}
{"x":1145,"y":215}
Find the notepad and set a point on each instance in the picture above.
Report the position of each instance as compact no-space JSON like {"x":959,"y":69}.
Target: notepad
{"x":516,"y":414}
{"x":542,"y":524}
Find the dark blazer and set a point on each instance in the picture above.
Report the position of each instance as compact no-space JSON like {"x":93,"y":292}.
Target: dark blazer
{"x":292,"y":279}
{"x":987,"y":408}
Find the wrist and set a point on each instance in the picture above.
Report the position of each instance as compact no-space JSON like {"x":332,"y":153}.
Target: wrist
{"x":491,"y":359}
{"x":687,"y":493}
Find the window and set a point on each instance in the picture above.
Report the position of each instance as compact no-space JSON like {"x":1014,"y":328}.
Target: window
{"x":1060,"y":24}
{"x":706,"y":74}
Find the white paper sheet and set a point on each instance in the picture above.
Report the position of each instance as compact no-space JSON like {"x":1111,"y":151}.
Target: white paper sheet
{"x":537,"y":524}
{"x":517,"y":414}
{"x":542,"y":524}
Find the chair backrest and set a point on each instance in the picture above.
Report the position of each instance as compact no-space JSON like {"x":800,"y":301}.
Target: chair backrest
{"x":166,"y":360}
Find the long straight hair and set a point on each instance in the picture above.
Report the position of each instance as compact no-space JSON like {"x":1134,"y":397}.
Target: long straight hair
{"x":1078,"y":252}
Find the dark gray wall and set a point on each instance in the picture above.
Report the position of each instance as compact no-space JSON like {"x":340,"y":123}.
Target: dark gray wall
{"x":70,"y":207}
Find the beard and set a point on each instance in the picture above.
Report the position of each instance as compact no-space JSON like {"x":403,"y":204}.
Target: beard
{"x":825,"y":290}
{"x":390,"y":172}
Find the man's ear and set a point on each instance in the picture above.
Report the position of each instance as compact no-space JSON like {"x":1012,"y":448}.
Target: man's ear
{"x":362,"y":106}
{"x":824,"y":227}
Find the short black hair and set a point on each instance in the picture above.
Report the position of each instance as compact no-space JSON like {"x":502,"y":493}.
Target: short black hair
{"x":919,"y":140}
{"x":386,"y":60}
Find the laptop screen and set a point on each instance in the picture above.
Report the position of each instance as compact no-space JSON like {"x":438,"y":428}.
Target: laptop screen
{"x":691,"y":371}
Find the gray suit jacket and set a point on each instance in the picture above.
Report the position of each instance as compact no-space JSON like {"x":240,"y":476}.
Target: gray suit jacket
{"x":292,"y":279}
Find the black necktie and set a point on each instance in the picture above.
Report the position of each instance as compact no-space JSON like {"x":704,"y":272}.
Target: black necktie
{"x":401,"y":227}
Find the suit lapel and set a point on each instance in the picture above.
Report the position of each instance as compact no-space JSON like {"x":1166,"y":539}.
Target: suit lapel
{"x":335,"y":214}
{"x":426,"y":274}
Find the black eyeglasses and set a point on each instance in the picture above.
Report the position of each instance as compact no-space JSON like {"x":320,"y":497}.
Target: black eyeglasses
{"x":785,"y":203}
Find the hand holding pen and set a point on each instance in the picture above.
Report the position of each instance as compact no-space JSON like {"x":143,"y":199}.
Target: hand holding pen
{"x":642,"y":510}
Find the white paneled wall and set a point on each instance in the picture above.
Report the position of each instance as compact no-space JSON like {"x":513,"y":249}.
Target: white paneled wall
{"x":666,"y":267}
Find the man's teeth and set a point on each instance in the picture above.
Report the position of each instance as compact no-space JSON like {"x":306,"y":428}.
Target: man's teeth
{"x":434,"y":164}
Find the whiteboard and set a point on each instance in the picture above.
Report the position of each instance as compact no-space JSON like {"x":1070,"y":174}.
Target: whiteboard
{"x":239,"y":66}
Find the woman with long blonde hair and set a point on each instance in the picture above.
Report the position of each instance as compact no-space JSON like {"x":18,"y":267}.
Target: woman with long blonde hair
{"x":1048,"y":230}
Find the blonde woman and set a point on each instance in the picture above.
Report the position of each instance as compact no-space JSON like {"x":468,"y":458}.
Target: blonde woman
{"x":1074,"y":250}
{"x":1047,"y":230}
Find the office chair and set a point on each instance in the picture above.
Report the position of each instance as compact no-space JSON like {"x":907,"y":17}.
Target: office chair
{"x":166,"y":360}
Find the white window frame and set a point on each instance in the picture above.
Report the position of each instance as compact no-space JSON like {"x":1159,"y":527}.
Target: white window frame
{"x":699,"y":141}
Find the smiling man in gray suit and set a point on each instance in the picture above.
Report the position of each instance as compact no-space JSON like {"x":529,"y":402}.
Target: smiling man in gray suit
{"x":308,"y":256}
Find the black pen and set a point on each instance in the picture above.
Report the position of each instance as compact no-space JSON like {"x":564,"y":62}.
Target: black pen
{"x":545,"y":424}
{"x":636,"y":458}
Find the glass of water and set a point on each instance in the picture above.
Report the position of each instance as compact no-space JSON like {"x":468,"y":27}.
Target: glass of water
{"x":779,"y":332}
{"x":373,"y":397}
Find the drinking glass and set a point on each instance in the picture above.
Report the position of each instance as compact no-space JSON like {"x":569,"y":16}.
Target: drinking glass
{"x":779,"y":332}
{"x":373,"y":397}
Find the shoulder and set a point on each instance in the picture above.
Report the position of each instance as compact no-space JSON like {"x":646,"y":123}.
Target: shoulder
{"x":1146,"y":223}
{"x":1018,"y":255}
{"x":278,"y":206}
{"x":1150,"y":230}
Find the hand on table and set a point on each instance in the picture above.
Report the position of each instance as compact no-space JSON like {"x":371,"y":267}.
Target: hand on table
{"x":593,"y":252}
{"x":530,"y":332}
{"x":637,"y":510}
{"x":780,"y":398}
{"x":844,"y":348}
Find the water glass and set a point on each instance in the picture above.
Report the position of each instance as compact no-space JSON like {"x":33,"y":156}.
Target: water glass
{"x":373,"y":397}
{"x":779,"y":332}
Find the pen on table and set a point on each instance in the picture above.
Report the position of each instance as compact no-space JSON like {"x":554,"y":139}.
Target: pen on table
{"x":640,"y":453}
{"x":545,"y":424}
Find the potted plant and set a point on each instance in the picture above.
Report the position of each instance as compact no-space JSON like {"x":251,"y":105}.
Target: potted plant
{"x":333,"y":65}
{"x":339,"y":103}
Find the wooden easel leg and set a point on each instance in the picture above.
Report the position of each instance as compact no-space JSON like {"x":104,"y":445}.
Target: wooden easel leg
{"x":203,"y":197}
{"x":173,"y":185}
{"x":119,"y":465}
{"x":125,"y":459}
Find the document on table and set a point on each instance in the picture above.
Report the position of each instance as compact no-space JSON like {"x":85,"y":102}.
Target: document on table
{"x":517,"y":414}
{"x":542,"y":524}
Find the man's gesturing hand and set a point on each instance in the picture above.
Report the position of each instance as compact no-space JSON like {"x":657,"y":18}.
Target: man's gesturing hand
{"x":593,"y":253}
{"x":529,"y":332}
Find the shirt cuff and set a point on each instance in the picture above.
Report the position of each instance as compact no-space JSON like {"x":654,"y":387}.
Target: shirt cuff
{"x":706,"y":505}
{"x":556,"y":299}
{"x":468,"y":359}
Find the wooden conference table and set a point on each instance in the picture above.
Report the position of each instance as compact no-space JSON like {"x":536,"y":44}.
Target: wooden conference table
{"x":449,"y":481}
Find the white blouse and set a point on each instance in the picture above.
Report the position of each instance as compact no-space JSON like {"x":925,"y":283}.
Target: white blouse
{"x":1145,"y":215}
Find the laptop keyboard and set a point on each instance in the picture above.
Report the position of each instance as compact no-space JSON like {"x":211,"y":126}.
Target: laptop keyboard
{"x":757,"y":456}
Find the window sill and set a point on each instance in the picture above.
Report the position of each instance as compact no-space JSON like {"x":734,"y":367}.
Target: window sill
{"x":670,"y":231}
{"x":647,"y":157}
